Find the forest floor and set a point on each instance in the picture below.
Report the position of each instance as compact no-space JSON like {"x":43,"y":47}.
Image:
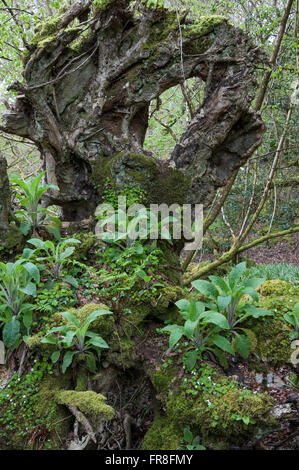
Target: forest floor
{"x":284,"y":251}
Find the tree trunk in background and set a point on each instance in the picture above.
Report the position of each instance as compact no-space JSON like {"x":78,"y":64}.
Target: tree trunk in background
{"x":87,"y":90}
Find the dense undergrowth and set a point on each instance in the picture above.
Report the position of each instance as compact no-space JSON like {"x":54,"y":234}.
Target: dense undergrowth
{"x":84,"y":321}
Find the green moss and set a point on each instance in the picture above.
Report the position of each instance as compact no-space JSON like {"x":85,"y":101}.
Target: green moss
{"x":211,"y":405}
{"x":273,"y":341}
{"x":162,"y":435}
{"x":46,"y":31}
{"x":102,"y":5}
{"x":162,"y":378}
{"x":57,"y":417}
{"x":274,"y":287}
{"x":14,"y":240}
{"x":141,"y":171}
{"x":122,"y":352}
{"x":88,"y":241}
{"x":235,"y":412}
{"x":82,"y":380}
{"x":35,"y":344}
{"x":28,"y":408}
{"x":203,"y":25}
{"x":88,"y":402}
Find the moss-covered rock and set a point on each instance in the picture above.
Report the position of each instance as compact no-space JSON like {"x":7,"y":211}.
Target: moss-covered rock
{"x":211,"y":405}
{"x":29,"y":414}
{"x":273,"y":341}
{"x":275,"y":287}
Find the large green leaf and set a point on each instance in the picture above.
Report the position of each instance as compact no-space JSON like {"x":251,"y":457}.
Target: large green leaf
{"x":67,"y":360}
{"x":94,"y":315}
{"x":254,"y":282}
{"x":217,"y":319}
{"x":71,"y":280}
{"x":242,"y":344}
{"x":183,"y":304}
{"x":206,"y":288}
{"x":250,"y":291}
{"x":223,"y":302}
{"x":221,"y":284}
{"x":176,"y":332}
{"x":223,"y":344}
{"x":90,"y":361}
{"x":236,"y":274}
{"x":256,"y":312}
{"x":188,"y":436}
{"x":29,"y":289}
{"x":27,"y":318}
{"x":33,"y":271}
{"x":190,"y":359}
{"x":37,"y":243}
{"x":98,"y":342}
{"x":55,"y":356}
{"x":71,"y":318}
{"x":11,"y":332}
{"x":67,"y":252}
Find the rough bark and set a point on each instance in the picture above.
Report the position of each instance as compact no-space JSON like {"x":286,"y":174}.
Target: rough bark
{"x":87,"y":90}
{"x":4,"y":195}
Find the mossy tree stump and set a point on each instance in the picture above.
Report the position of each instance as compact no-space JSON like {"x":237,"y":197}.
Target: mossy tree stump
{"x":88,"y":86}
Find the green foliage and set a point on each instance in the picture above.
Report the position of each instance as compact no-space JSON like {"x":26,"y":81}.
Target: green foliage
{"x":283,"y":271}
{"x":131,"y":267}
{"x":76,"y":338}
{"x":32,"y":215}
{"x":51,"y":300}
{"x":190,"y":442}
{"x":213,"y":325}
{"x":225,"y":297}
{"x":17,"y":402}
{"x":16,"y":288}
{"x":293,"y":319}
{"x":143,"y":225}
{"x":197,"y":329}
{"x":56,"y":255}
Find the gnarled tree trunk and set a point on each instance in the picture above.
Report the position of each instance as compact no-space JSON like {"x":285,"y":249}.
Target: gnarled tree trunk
{"x":89,"y":79}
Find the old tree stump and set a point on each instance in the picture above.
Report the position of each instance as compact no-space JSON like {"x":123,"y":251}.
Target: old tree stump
{"x":90,"y":74}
